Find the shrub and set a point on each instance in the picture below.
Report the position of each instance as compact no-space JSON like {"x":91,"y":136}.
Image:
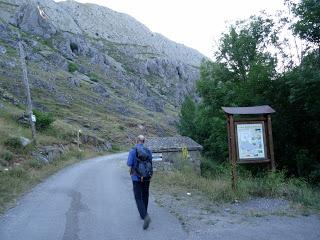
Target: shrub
{"x":13,"y":143}
{"x":6,"y":157}
{"x":36,"y":164}
{"x":72,"y":67}
{"x":94,"y":77}
{"x":44,"y":120}
{"x":115,"y":148}
{"x":210,"y":168}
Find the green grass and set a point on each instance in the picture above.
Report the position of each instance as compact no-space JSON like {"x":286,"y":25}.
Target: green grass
{"x":217,"y":187}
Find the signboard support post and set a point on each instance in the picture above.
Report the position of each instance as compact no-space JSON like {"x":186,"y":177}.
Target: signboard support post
{"x":273,"y":166}
{"x":233,"y":153}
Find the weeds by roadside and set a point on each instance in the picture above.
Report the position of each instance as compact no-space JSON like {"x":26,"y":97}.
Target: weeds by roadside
{"x":21,"y":178}
{"x":217,"y":186}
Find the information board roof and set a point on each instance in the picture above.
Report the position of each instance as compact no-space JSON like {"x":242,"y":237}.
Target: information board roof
{"x":265,"y":109}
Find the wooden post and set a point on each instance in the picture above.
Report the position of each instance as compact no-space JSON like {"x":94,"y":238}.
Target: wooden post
{"x":27,"y":88}
{"x":79,"y":131}
{"x":273,"y":166}
{"x":233,"y":153}
{"x":229,"y":138}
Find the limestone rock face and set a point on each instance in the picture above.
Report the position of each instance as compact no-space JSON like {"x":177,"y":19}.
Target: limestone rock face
{"x":33,"y":19}
{"x":101,"y":22}
{"x":85,"y":55}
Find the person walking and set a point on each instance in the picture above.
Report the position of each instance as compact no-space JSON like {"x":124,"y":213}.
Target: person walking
{"x":140,"y":163}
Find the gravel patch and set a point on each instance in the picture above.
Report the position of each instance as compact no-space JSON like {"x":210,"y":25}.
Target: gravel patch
{"x":257,"y":218}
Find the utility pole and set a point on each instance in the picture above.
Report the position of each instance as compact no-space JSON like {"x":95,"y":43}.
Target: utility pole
{"x":27,"y":88}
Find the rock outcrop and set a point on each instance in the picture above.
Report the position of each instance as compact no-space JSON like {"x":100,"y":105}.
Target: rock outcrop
{"x":91,"y":56}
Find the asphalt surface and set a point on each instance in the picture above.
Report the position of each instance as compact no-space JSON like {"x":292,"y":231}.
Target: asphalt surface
{"x":89,"y":200}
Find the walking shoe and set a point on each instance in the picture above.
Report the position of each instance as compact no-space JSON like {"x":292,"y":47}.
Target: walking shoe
{"x":146,"y":222}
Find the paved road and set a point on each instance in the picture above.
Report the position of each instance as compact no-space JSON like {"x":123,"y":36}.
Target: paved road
{"x":92,"y":200}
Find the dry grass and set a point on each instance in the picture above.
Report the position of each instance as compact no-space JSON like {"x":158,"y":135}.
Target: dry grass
{"x":19,"y":171}
{"x":218,"y":188}
{"x":18,"y":180}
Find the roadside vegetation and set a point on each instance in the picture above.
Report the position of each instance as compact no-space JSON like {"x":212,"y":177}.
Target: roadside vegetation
{"x":20,"y":167}
{"x":215,"y":185}
{"x":21,"y":178}
{"x":258,"y":62}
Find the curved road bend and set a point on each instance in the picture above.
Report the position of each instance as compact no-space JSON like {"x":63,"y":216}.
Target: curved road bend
{"x":89,"y":200}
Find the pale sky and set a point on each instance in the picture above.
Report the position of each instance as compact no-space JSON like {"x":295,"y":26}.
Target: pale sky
{"x":194,"y":23}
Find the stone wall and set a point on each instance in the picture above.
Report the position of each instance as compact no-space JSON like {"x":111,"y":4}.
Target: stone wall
{"x":173,"y":160}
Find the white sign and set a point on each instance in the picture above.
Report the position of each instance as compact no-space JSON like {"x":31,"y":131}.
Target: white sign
{"x":250,"y":141}
{"x":157,"y":157}
{"x":33,"y":118}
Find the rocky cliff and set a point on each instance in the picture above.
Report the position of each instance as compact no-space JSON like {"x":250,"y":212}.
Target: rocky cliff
{"x":94,"y":67}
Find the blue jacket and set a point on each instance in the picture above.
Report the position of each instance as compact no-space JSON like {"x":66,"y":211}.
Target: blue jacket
{"x":132,"y":160}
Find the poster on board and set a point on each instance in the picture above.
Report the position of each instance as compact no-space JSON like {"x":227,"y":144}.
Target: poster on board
{"x":250,"y":141}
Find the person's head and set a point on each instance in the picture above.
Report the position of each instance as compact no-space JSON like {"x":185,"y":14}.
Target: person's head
{"x":140,"y":139}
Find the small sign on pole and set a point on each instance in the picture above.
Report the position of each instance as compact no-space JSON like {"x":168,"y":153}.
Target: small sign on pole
{"x":33,"y":118}
{"x":78,"y":135}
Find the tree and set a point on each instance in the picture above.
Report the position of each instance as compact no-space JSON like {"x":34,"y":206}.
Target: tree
{"x":244,"y":74}
{"x":187,"y":125}
{"x":240,"y":77}
{"x":308,"y":25}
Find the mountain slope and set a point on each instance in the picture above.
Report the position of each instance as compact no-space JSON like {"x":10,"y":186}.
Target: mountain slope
{"x":95,"y":69}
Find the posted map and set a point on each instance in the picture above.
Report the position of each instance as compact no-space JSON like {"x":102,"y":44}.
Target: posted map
{"x":250,"y":141}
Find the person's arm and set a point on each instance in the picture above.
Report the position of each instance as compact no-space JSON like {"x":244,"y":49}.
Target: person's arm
{"x":131,"y":156}
{"x":150,"y":154}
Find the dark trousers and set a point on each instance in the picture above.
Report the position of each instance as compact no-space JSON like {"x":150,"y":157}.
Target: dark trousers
{"x":141,"y":195}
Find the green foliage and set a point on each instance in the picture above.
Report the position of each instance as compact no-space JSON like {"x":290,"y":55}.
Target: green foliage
{"x":187,"y":117}
{"x":47,"y":42}
{"x":115,"y":148}
{"x":6,"y":157}
{"x":244,"y":74}
{"x":72,"y":67}
{"x":44,"y":120}
{"x":296,"y":126}
{"x":13,"y":143}
{"x":240,"y":77}
{"x":94,"y":77}
{"x":308,"y":26}
{"x":36,"y":164}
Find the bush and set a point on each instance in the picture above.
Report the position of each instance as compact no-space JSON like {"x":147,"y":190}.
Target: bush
{"x":115,"y":148}
{"x":44,"y":120}
{"x":210,"y":168}
{"x":94,"y":77}
{"x":72,"y":67}
{"x":6,"y":158}
{"x":36,"y":164}
{"x":13,"y":143}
